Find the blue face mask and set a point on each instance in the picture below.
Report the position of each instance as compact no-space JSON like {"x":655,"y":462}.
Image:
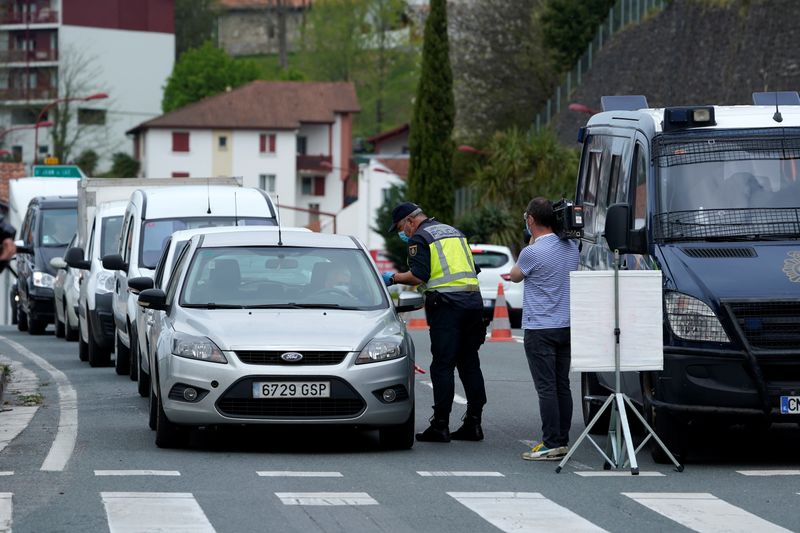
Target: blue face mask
{"x":403,"y":236}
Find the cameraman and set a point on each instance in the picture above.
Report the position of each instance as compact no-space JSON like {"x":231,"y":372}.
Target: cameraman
{"x":544,"y":266}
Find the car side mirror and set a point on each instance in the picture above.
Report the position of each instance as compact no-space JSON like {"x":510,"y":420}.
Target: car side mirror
{"x":58,"y":263}
{"x":619,"y":234}
{"x":137,"y":285}
{"x":74,"y":258}
{"x":409,"y":301}
{"x":155,"y":299}
{"x":114,"y":262}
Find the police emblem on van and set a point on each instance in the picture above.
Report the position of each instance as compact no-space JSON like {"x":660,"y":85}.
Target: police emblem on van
{"x":791,"y":267}
{"x":292,"y":357}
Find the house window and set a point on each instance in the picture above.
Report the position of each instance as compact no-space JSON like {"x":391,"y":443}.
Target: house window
{"x":313,"y":186}
{"x":24,"y":116}
{"x":266,"y":143}
{"x":44,"y":149}
{"x":180,"y":174}
{"x":301,"y":145}
{"x":92,"y":117}
{"x":222,"y":142}
{"x":180,"y":141}
{"x":266,"y":182}
{"x":313,"y":215}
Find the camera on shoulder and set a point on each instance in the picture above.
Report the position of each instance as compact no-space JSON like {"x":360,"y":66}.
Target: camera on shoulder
{"x":569,"y":219}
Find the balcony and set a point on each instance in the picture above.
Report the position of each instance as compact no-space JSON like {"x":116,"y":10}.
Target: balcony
{"x":26,"y":94}
{"x":28,"y":56}
{"x":44,"y":16}
{"x":314,"y":163}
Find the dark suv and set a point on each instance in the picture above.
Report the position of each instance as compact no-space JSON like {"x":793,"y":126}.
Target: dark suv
{"x":49,"y":224}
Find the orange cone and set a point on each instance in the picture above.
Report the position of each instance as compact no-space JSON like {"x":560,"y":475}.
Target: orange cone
{"x":501,"y":326}
{"x":417,"y":320}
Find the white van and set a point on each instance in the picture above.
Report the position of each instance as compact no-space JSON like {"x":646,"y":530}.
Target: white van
{"x":150,"y":219}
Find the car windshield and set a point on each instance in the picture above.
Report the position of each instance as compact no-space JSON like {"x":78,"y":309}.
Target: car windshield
{"x":58,"y":226}
{"x":739,"y":184}
{"x":486,"y":259}
{"x":282,"y":277}
{"x":111,"y":228}
{"x":156,"y":233}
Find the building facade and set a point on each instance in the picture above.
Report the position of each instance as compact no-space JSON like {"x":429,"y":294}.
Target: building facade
{"x":55,"y":49}
{"x":252,"y":27}
{"x":292,"y":139}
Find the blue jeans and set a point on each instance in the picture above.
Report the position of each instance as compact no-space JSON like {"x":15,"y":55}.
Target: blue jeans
{"x":548,"y":353}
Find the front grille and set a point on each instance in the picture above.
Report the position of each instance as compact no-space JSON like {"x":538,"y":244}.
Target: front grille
{"x":273,"y":357}
{"x":771,"y":325}
{"x":297,"y":407}
{"x":719,"y":253}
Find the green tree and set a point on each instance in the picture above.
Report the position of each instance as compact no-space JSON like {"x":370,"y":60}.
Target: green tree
{"x":87,"y":161}
{"x":195,"y":23}
{"x":396,"y":250}
{"x":569,"y":25}
{"x":203,"y":72}
{"x":123,"y":166}
{"x":430,"y":180}
{"x":333,"y":42}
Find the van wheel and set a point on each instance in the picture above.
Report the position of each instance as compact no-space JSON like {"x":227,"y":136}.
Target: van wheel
{"x":22,"y":319}
{"x":123,"y":357}
{"x":590,"y":386}
{"x":144,"y":383}
{"x":153,"y":414}
{"x":133,"y":366}
{"x":672,"y":431}
{"x":96,"y":355}
{"x":399,"y":437}
{"x":83,"y":349}
{"x":168,"y":435}
{"x":59,"y":327}
{"x":70,"y":333}
{"x":36,"y":326}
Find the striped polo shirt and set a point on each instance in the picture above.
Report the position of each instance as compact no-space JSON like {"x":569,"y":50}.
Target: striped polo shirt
{"x":546,"y":265}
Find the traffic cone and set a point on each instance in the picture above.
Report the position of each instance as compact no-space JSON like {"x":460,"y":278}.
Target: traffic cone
{"x":501,"y":326}
{"x":417,"y":320}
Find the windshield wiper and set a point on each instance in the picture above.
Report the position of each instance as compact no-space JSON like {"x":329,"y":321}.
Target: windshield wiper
{"x":293,"y":305}
{"x":274,"y":306}
{"x":212,"y":305}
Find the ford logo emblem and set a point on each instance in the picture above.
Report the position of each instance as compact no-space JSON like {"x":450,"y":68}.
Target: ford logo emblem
{"x":292,"y":357}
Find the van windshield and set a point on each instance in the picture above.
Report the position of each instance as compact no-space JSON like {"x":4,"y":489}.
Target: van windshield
{"x":156,"y":233}
{"x":58,"y":226}
{"x":728,"y":185}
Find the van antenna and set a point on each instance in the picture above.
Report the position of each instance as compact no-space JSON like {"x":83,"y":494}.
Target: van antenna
{"x":280,"y":237}
{"x":777,"y":116}
{"x":235,"y":209}
{"x":208,"y":195}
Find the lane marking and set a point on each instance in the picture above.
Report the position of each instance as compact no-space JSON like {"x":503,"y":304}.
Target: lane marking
{"x":129,"y":512}
{"x":456,"y":473}
{"x":456,"y":397}
{"x":617,"y":473}
{"x":769,"y":472}
{"x":292,"y":473}
{"x":702,"y":511}
{"x":6,"y":510}
{"x":14,"y":422}
{"x":136,"y":473}
{"x":325,"y":498}
{"x":523,"y":511}
{"x":67,"y":431}
{"x":572,"y":462}
{"x":6,"y":473}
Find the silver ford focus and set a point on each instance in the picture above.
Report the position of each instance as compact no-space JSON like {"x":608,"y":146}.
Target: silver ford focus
{"x":269,"y":327}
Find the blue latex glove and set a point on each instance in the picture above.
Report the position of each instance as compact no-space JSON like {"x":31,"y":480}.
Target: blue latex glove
{"x":387,"y":278}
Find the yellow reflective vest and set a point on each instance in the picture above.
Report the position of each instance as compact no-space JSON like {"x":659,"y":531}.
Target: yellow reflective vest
{"x":452,"y":265}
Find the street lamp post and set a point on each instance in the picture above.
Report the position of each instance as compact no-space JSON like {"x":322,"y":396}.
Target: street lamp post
{"x":45,"y":109}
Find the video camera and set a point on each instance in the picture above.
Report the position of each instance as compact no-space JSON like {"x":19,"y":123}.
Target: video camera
{"x":569,"y":219}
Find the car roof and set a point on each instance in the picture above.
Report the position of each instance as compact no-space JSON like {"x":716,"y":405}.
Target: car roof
{"x":110,"y":209}
{"x":490,"y":248}
{"x":195,"y":201}
{"x":55,"y":202}
{"x":186,"y":234}
{"x":269,"y":237}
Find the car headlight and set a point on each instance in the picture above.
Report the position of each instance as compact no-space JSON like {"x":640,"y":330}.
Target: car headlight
{"x":693,"y":320}
{"x":193,"y":347}
{"x":380,"y":349}
{"x":43,"y":279}
{"x":105,"y":282}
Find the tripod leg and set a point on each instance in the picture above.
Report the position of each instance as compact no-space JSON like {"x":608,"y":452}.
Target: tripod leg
{"x":652,"y":433}
{"x":626,"y":431}
{"x":585,"y":433}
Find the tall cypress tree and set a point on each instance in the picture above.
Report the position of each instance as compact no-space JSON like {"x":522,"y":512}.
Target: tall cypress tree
{"x":430,"y":180}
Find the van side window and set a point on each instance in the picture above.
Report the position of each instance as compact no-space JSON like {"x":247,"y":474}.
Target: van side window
{"x":640,"y":188}
{"x":613,"y":182}
{"x":33,"y":227}
{"x":592,"y":177}
{"x":128,"y":241}
{"x":89,"y":252}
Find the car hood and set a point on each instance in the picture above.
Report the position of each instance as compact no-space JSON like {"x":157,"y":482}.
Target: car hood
{"x":288,"y":329}
{"x":734,"y":270}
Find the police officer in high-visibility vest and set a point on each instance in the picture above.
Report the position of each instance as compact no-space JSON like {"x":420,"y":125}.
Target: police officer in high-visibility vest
{"x":440,"y":262}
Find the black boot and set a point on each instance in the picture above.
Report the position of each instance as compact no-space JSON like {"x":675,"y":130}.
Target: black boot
{"x":438,"y":431}
{"x":469,"y":430}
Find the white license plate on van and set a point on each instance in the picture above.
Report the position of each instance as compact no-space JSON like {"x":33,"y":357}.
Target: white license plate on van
{"x":790,"y":405}
{"x":292,"y":389}
{"x":488,"y":303}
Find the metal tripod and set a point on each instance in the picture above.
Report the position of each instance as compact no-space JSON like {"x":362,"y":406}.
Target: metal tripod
{"x":619,"y":451}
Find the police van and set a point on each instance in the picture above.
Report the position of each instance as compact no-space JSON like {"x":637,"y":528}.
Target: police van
{"x":710,"y":196}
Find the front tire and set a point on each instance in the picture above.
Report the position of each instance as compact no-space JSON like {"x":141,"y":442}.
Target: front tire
{"x":133,"y":365}
{"x":122,"y":360}
{"x":153,"y":414}
{"x":590,"y":386}
{"x":672,"y":431}
{"x":97,"y":356}
{"x":70,"y":334}
{"x":60,"y":327}
{"x":22,"y":319}
{"x":36,"y":326}
{"x":399,"y":437}
{"x":168,"y":435}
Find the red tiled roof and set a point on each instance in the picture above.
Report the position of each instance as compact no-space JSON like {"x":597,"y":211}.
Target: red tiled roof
{"x":263,"y":105}
{"x":260,"y":4}
{"x":398,"y":166}
{"x":377,"y":138}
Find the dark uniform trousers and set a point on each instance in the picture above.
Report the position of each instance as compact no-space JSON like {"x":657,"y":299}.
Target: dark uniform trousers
{"x":456,"y":336}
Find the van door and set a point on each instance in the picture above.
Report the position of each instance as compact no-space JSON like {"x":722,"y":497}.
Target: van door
{"x":121,"y":278}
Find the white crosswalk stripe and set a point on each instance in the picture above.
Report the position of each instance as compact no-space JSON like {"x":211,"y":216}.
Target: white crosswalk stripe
{"x":618,"y":473}
{"x":769,"y":472}
{"x":704,"y":512}
{"x":6,"y":508}
{"x":135,"y":512}
{"x":136,"y":473}
{"x":458,"y":473}
{"x":523,"y":512}
{"x":326,"y":498}
{"x":6,"y":473}
{"x":297,"y":473}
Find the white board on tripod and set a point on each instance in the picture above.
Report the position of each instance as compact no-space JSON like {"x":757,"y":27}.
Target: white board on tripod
{"x":591,"y":312}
